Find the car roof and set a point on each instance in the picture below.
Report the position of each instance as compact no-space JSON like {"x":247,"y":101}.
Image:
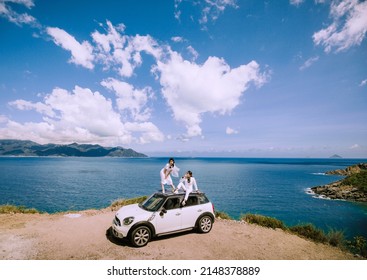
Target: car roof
{"x":168,"y":194}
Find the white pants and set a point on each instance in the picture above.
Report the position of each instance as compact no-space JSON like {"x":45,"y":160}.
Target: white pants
{"x":187,"y":190}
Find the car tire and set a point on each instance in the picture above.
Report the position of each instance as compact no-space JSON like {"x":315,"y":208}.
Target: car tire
{"x":140,"y":236}
{"x":205,"y":224}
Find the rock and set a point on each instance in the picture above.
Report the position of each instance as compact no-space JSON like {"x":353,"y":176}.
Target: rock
{"x":354,"y":169}
{"x":343,"y":189}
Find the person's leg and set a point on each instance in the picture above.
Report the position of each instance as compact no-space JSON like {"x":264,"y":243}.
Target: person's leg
{"x":179,"y":186}
{"x":187,"y":192}
{"x":162,"y":185}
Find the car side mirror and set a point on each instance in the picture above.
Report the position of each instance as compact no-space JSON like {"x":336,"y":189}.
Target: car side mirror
{"x":163,"y":211}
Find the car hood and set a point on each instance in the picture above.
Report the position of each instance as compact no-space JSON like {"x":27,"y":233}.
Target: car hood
{"x":132,"y":210}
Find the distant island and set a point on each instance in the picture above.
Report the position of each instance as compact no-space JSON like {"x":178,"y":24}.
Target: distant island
{"x":335,"y":156}
{"x":353,"y":187}
{"x":10,"y":147}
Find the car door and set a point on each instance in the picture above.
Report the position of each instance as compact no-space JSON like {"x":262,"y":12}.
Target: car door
{"x":190,"y":212}
{"x":171,"y":220}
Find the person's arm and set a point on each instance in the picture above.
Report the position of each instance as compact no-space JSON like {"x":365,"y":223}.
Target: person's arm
{"x":167,"y":171}
{"x":194,"y":184}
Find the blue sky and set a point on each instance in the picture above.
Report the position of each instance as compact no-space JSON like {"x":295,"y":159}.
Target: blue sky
{"x":249,"y":78}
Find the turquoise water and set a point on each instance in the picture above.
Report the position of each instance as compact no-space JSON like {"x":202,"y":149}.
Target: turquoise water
{"x":271,"y":187}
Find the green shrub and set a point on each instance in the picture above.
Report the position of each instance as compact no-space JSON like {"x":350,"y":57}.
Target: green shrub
{"x":122,"y":202}
{"x":309,"y":231}
{"x":358,"y":246}
{"x":358,"y":180}
{"x":263,"y":221}
{"x":11,"y":209}
{"x":336,"y":238}
{"x":222,"y":215}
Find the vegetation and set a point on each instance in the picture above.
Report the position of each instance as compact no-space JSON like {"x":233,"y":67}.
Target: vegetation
{"x":334,"y":237}
{"x":222,"y":215}
{"x":12,"y":209}
{"x":309,"y":231}
{"x":358,"y":180}
{"x":122,"y":202}
{"x":263,"y":221}
{"x":358,"y":246}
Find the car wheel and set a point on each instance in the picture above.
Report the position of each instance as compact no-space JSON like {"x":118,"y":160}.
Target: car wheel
{"x":140,"y":236}
{"x":205,"y":224}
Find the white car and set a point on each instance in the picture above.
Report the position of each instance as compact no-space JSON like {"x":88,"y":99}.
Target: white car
{"x":162,"y":214}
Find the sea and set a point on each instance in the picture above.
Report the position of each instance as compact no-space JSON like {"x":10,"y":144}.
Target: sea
{"x":275,"y":187}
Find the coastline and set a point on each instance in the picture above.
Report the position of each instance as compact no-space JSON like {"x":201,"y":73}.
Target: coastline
{"x":346,"y":189}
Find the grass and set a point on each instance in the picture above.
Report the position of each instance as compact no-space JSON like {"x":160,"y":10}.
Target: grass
{"x":122,"y":202}
{"x":309,"y":231}
{"x":263,"y":221}
{"x":222,"y":215}
{"x":12,"y":209}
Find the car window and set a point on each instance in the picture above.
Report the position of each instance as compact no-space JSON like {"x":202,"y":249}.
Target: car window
{"x":172,"y":203}
{"x":153,"y":203}
{"x":203,"y":199}
{"x":192,"y":200}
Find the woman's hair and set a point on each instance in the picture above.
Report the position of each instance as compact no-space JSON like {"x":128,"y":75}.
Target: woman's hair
{"x":190,"y":173}
{"x":172,"y":160}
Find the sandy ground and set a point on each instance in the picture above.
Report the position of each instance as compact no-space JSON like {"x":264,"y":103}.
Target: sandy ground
{"x":85,"y":235}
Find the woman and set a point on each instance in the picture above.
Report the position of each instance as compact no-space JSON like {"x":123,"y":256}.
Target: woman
{"x":166,"y":172}
{"x":188,"y":184}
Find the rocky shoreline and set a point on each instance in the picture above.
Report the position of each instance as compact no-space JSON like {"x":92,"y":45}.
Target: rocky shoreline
{"x":344,"y":189}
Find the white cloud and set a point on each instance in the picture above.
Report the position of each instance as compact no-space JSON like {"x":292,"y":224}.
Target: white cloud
{"x":38,"y":106}
{"x":129,"y":99}
{"x":296,"y":2}
{"x":210,"y":9}
{"x":81,"y":54}
{"x":178,"y":39}
{"x":191,"y":90}
{"x":348,"y":28}
{"x":231,"y":131}
{"x":193,"y":52}
{"x":116,"y":50}
{"x":3,"y":119}
{"x":149,"y":132}
{"x":12,"y":16}
{"x":177,"y":12}
{"x":79,"y":116}
{"x":309,"y":63}
{"x":355,"y":146}
{"x":363,"y":83}
{"x":214,"y":8}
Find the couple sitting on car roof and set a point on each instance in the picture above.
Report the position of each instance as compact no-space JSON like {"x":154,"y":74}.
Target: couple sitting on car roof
{"x":187,"y":182}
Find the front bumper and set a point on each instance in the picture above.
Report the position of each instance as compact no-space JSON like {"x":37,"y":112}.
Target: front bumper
{"x":116,"y":233}
{"x":119,"y":231}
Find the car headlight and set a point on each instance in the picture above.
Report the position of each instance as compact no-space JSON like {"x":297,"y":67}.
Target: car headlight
{"x":127,"y":221}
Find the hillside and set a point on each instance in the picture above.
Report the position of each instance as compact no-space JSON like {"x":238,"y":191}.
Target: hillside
{"x":9,"y":147}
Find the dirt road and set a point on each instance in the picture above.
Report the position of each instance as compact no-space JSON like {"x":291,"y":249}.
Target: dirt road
{"x":86,"y":235}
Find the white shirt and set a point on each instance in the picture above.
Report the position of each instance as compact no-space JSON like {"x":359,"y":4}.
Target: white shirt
{"x":189,"y":186}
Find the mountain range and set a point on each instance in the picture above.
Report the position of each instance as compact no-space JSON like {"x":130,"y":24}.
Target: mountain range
{"x":10,"y":147}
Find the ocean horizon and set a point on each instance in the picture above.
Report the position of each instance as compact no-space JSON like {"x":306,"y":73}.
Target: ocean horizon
{"x":275,"y":187}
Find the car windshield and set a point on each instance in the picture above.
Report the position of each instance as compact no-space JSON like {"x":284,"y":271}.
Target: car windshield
{"x":153,"y":203}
